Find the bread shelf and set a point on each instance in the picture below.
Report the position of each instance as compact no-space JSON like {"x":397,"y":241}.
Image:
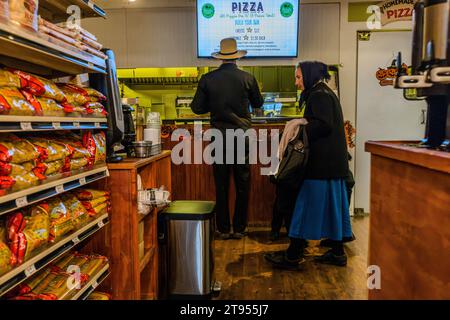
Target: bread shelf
{"x":49,"y":254}
{"x":37,"y":49}
{"x":93,"y":283}
{"x":50,"y":189}
{"x":57,"y":9}
{"x":23,"y":123}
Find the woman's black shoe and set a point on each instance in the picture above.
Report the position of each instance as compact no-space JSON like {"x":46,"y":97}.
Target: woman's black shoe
{"x":328,"y":242}
{"x":279,"y":260}
{"x":330,"y":258}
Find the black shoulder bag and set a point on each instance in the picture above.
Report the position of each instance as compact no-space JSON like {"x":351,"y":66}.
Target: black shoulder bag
{"x":292,"y":167}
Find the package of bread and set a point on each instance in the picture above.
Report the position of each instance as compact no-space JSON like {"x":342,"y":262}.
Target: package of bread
{"x":74,"y":93}
{"x":78,"y":212}
{"x":92,"y":51}
{"x":49,"y":149}
{"x":92,"y":267}
{"x":7,"y":261}
{"x":9,"y":79}
{"x":16,"y":150}
{"x":24,"y":13}
{"x":45,"y":106}
{"x":12,"y":169}
{"x":27,"y":232}
{"x":96,"y":144}
{"x":98,"y":110}
{"x":14,"y":103}
{"x":25,"y":181}
{"x":58,"y":35}
{"x":91,"y":43}
{"x":57,"y":288}
{"x":90,"y":194}
{"x":39,"y":86}
{"x":54,"y":27}
{"x":30,"y":284}
{"x":60,"y":219}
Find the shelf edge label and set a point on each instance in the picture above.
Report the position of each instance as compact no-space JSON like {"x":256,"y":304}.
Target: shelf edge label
{"x":26,"y":126}
{"x":76,"y":240}
{"x":21,"y":202}
{"x":101,"y":224}
{"x":95,"y":284}
{"x":76,"y":125}
{"x":30,"y":270}
{"x":56,"y":125}
{"x":59,"y":189}
{"x":98,"y":125}
{"x":83,"y":181}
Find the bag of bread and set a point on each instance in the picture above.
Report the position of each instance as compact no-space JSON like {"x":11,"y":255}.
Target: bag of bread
{"x":13,"y":102}
{"x":49,"y":150}
{"x":97,"y":109}
{"x":25,"y":181}
{"x":94,"y":203}
{"x":27,"y":232}
{"x":24,"y":13}
{"x":92,"y":267}
{"x":7,"y":261}
{"x":40,"y":87}
{"x":4,"y":9}
{"x":91,"y":194}
{"x":60,"y":219}
{"x":16,"y":150}
{"x":30,"y":284}
{"x":74,"y":94}
{"x":95,"y":96}
{"x":46,"y":106}
{"x":78,"y":212}
{"x":9,"y":79}
{"x":91,"y":43}
{"x":57,"y":288}
{"x":12,"y":169}
{"x":96,"y":144}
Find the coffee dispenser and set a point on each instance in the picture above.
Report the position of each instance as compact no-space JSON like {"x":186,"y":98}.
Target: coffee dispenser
{"x":430,"y":70}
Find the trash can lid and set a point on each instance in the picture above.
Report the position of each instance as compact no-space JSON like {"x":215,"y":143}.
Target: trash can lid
{"x":190,"y":210}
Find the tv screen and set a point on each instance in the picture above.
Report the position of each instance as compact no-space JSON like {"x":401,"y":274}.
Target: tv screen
{"x":265,"y":28}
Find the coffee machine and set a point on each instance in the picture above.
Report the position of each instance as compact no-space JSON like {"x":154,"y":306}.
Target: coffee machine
{"x":430,"y":70}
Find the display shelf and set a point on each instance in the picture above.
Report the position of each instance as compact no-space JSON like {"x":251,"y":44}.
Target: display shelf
{"x":37,"y":49}
{"x":50,"y":189}
{"x":49,"y":254}
{"x":23,"y":123}
{"x":56,"y":10}
{"x":93,"y":283}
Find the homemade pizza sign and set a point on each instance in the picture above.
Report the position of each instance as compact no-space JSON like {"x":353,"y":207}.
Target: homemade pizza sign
{"x":396,"y":10}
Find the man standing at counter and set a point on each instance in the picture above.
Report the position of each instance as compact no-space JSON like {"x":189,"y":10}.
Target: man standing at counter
{"x":227,"y":94}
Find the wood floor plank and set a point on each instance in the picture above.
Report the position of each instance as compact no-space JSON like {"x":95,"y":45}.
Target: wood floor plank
{"x":245,"y":275}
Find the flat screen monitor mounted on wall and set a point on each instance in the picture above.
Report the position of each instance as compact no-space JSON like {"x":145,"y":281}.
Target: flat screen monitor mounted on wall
{"x":265,"y":28}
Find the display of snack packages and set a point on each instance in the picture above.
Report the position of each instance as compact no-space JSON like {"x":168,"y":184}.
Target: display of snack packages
{"x":7,"y":78}
{"x":96,"y":145}
{"x":60,"y":219}
{"x":91,"y":194}
{"x":99,"y":296}
{"x":24,"y":13}
{"x":13,"y":102}
{"x":27,"y":232}
{"x":40,"y":87}
{"x":46,"y":106}
{"x":7,"y":260}
{"x":16,"y":150}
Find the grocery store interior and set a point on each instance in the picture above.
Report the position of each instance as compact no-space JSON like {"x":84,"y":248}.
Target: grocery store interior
{"x":97,"y":96}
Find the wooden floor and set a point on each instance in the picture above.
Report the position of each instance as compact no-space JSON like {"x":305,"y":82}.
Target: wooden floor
{"x":245,"y":275}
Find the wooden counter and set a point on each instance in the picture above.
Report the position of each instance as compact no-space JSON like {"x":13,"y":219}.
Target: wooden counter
{"x":134,"y":277}
{"x":410,"y":221}
{"x":196,"y":182}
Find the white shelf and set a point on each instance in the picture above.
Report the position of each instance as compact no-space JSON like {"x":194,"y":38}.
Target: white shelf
{"x":50,"y":189}
{"x":58,"y":8}
{"x":93,"y":283}
{"x":49,"y":254}
{"x":40,"y":50}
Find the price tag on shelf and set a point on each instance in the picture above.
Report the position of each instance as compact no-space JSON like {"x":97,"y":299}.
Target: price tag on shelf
{"x":98,"y":125}
{"x":56,"y":125}
{"x":30,"y":270}
{"x":101,"y":224}
{"x":90,"y":65}
{"x":76,"y":125}
{"x":76,"y":240}
{"x":95,"y":284}
{"x":59,"y":189}
{"x":26,"y":126}
{"x":83,"y":181}
{"x":21,"y":202}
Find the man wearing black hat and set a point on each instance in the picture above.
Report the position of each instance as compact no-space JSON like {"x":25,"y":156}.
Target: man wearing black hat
{"x":227,"y":94}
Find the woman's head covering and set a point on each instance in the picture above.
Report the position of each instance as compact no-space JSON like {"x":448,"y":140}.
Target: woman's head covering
{"x":313,"y":72}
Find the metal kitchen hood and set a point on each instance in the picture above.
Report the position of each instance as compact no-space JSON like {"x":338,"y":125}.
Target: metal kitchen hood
{"x":158,"y":76}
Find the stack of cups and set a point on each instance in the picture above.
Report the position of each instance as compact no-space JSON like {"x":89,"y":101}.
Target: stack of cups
{"x":153,"y":131}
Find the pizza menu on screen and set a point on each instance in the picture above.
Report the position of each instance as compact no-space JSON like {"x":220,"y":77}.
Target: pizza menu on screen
{"x":266,"y":28}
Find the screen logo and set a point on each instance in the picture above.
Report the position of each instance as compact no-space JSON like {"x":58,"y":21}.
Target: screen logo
{"x":247,"y":7}
{"x":208,"y":10}
{"x":287,"y":9}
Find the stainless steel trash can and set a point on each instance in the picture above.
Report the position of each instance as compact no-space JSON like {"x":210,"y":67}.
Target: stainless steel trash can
{"x":190,"y":249}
